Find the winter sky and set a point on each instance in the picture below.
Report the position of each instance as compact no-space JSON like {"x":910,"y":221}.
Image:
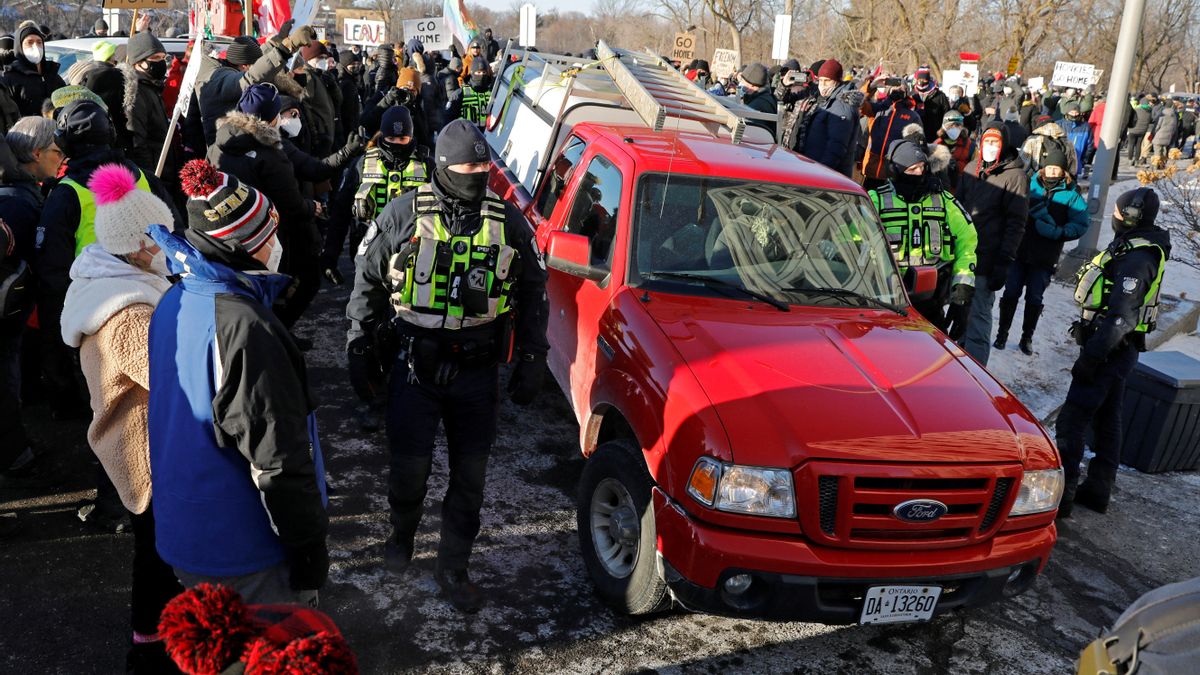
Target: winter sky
{"x":565,"y":5}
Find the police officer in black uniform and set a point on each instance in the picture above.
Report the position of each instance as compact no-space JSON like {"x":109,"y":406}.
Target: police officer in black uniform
{"x":449,"y":285}
{"x":1118,"y":292}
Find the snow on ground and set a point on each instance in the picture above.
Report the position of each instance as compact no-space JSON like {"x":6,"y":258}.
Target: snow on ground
{"x":1041,"y":380}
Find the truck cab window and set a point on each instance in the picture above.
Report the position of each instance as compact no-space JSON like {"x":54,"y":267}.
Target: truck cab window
{"x":559,"y":175}
{"x":594,"y":212}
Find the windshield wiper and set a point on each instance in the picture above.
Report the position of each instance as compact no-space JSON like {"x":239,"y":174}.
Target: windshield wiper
{"x":720,"y":283}
{"x":847,"y":293}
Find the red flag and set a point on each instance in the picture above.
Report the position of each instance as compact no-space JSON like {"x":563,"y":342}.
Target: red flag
{"x":271,"y":14}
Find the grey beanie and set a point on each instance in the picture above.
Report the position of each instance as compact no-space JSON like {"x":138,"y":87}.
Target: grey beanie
{"x":755,"y":74}
{"x":243,"y":52}
{"x":460,"y":142}
{"x":142,"y":46}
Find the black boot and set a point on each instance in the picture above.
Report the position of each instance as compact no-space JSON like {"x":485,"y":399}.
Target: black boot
{"x":397,"y":554}
{"x":1068,"y":500}
{"x":1028,"y":326}
{"x":458,"y":588}
{"x":1094,"y":494}
{"x":1008,"y":309}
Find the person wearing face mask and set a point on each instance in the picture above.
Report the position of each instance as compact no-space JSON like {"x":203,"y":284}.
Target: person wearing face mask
{"x":147,"y":115}
{"x":31,"y":76}
{"x":477,"y":94}
{"x":833,"y":132}
{"x":932,"y":103}
{"x":115,"y":285}
{"x":27,"y":157}
{"x":797,"y":96}
{"x":1079,"y":136}
{"x":754,"y":92}
{"x":1057,"y":214}
{"x":250,"y":147}
{"x":953,"y":135}
{"x":888,"y":117}
{"x":322,"y":98}
{"x":442,"y":325}
{"x":393,"y":165}
{"x":995,"y":191}
{"x":926,"y":226}
{"x":349,"y":80}
{"x":1118,"y":293}
{"x":237,"y":470}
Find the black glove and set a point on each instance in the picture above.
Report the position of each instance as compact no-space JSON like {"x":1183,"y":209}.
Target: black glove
{"x":961,"y":294}
{"x":366,"y":374}
{"x":526,"y":378}
{"x":391,"y":98}
{"x":998,"y":277}
{"x":308,"y":567}
{"x":285,"y":29}
{"x":333,"y":276}
{"x":1085,"y":368}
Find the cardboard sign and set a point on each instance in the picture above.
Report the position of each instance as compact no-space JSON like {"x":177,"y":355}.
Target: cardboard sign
{"x":320,"y":30}
{"x":1037,"y":83}
{"x":1072,"y":75}
{"x":970,"y":78}
{"x":684,"y":48}
{"x":362,"y":32}
{"x":1096,"y":75}
{"x":136,"y":4}
{"x":782,"y":38}
{"x":725,"y":62}
{"x":430,"y":32}
{"x":952,"y":78}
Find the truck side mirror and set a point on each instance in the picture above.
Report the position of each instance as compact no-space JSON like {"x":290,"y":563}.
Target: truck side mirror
{"x":571,"y":254}
{"x":921,"y":282}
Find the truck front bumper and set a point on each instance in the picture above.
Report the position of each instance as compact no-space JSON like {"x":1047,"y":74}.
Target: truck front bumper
{"x":792,"y":580}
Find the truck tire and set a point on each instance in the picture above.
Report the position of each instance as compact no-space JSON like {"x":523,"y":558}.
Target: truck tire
{"x":616,"y":530}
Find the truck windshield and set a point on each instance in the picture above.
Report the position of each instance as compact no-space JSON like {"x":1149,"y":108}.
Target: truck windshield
{"x":797,"y":246}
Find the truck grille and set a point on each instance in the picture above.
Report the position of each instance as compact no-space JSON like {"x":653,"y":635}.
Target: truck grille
{"x":850,"y":505}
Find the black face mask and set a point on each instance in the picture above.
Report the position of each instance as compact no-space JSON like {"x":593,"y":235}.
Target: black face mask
{"x":481,"y":82}
{"x":467,"y":187}
{"x":300,"y":78}
{"x":396,"y":153}
{"x":1051,"y":183}
{"x":157,"y":70}
{"x":910,"y":187}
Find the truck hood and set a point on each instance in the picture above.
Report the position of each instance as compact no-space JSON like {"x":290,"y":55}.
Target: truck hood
{"x":842,"y":384}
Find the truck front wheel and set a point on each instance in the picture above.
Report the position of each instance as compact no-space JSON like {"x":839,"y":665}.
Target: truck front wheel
{"x":616,"y":529}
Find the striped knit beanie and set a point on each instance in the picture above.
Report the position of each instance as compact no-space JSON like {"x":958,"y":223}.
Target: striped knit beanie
{"x":223,"y":207}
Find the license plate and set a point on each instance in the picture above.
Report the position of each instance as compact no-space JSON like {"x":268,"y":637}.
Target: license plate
{"x":897,"y":604}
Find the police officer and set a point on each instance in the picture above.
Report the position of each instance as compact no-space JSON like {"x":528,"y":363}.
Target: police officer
{"x":1118,"y":292}
{"x":394,"y":165}
{"x":926,"y":226}
{"x":449,"y":283}
{"x":477,"y":93}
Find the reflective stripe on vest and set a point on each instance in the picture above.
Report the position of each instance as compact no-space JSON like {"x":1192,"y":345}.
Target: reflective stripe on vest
{"x":1093,"y":287}
{"x":474,"y":105}
{"x":381,"y":185}
{"x":917,"y":233}
{"x":85,"y":233}
{"x":452,"y":281}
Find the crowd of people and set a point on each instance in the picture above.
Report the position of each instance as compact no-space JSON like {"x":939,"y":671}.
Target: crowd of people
{"x":151,"y":277}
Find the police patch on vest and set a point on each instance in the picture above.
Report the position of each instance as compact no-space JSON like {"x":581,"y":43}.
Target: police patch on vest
{"x":366,"y":240}
{"x":477,"y":279}
{"x":1129,"y":285}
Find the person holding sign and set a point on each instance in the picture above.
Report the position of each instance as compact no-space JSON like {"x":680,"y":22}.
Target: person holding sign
{"x":146,"y":113}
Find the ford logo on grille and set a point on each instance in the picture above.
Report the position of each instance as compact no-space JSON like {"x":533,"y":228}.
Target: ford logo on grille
{"x":920,"y":510}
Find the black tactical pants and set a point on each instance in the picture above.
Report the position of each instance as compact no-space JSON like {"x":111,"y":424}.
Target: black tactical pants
{"x":467,"y":407}
{"x":1097,"y":403}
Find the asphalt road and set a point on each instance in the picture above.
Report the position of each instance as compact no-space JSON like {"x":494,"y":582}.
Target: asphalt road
{"x":64,"y":586}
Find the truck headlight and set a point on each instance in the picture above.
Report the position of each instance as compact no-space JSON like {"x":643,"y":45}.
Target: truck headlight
{"x":743,"y":489}
{"x":1040,"y":492}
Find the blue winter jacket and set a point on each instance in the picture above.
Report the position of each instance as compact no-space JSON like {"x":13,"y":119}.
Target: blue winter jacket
{"x":1080,"y":135}
{"x":236,"y":467}
{"x":1056,"y":216}
{"x":833,"y":133}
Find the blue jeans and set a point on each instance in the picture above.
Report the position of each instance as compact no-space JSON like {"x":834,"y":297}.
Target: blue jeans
{"x":1032,"y":279}
{"x":978,"y":339}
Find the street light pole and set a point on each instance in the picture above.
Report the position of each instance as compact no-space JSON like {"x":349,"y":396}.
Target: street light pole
{"x":1115,"y":109}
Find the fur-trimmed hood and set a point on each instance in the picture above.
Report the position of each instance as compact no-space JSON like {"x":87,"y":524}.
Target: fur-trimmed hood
{"x":288,"y":86}
{"x":238,"y":133}
{"x":129,"y":95}
{"x":939,"y":158}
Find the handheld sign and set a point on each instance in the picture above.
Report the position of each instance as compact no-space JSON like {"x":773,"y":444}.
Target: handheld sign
{"x":184,"y":101}
{"x":725,"y":62}
{"x":783,"y":37}
{"x":364,"y":32}
{"x":1072,"y":75}
{"x":430,"y":32}
{"x":685,"y":47}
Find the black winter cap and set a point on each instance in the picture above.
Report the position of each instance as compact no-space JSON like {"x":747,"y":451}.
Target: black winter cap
{"x":1150,"y":204}
{"x":244,"y":51}
{"x":397,"y":121}
{"x":1055,"y":156}
{"x":460,"y":142}
{"x":142,"y":46}
{"x":81,"y":126}
{"x":904,"y":153}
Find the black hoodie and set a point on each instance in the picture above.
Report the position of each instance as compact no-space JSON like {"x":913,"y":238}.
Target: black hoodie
{"x":30,"y":83}
{"x":996,"y":196}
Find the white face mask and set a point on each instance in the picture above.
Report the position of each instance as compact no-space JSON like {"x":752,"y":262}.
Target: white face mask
{"x":33,"y":54}
{"x":827,"y":88}
{"x":1008,"y":91}
{"x":291,"y":126}
{"x":158,"y":264}
{"x":319,"y":64}
{"x":275,"y":256}
{"x":953,"y":132}
{"x":990,"y":153}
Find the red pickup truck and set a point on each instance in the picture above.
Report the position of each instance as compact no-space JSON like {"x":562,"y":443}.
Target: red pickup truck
{"x":771,"y":430}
